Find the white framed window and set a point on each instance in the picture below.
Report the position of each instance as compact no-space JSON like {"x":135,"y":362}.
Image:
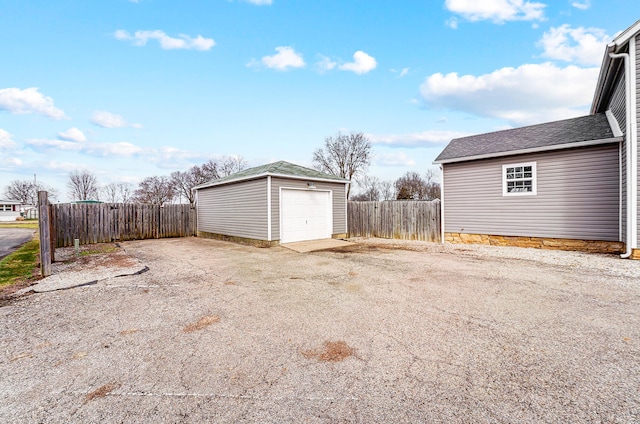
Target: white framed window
{"x":519,"y":179}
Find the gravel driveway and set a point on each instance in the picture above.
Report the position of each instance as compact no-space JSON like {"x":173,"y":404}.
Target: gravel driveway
{"x":383,"y":331}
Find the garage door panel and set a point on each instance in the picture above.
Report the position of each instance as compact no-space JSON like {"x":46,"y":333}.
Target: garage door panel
{"x":305,"y":215}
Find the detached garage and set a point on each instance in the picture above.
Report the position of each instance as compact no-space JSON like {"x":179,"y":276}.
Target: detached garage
{"x":271,"y":204}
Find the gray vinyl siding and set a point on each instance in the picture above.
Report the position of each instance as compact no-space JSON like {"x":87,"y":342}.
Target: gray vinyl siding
{"x":338,"y":196}
{"x":618,"y":107}
{"x":577,"y":196}
{"x":618,"y":103}
{"x":238,"y":209}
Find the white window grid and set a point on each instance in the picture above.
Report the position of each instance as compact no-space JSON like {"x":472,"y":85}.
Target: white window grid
{"x":519,"y":179}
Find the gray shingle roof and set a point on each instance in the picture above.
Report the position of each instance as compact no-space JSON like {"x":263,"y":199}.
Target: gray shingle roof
{"x":276,"y":168}
{"x":535,"y":138}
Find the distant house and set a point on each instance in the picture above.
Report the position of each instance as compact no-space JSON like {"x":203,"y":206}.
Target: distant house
{"x":9,"y":210}
{"x":275,"y":203}
{"x":570,"y":184}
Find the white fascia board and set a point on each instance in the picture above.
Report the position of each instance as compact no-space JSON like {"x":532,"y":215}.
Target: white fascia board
{"x":532,"y":150}
{"x":627,"y":34}
{"x":269,"y":174}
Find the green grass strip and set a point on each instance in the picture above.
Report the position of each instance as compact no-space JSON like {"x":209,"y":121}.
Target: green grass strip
{"x":20,"y":264}
{"x":27,"y":224}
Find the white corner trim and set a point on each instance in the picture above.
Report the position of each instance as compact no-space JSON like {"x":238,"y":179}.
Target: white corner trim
{"x":442,"y":204}
{"x":269,"y":208}
{"x":613,"y":123}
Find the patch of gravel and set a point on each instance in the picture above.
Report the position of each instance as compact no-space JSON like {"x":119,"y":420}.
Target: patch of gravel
{"x":381,"y":331}
{"x":607,"y":264}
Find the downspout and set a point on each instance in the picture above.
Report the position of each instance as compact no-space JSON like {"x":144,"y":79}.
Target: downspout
{"x":631,"y":138}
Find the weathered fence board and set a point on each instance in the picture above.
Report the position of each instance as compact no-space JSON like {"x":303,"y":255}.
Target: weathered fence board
{"x":410,"y":220}
{"x":107,"y":222}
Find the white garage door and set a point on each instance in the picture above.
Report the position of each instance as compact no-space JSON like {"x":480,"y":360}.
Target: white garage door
{"x":305,"y":215}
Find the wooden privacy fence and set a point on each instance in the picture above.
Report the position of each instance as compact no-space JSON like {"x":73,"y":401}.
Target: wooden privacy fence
{"x":410,"y":220}
{"x":106,"y":222}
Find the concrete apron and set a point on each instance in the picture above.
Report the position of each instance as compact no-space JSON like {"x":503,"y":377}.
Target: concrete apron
{"x":313,"y":245}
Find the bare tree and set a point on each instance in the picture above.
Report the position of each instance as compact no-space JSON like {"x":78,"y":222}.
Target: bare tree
{"x":231,"y":164}
{"x":344,"y":155}
{"x":369,"y":189}
{"x":411,"y":186}
{"x":125,"y":190}
{"x":184,"y":182}
{"x":27,"y":191}
{"x":433,"y":187}
{"x":387,"y":190}
{"x":83,"y":185}
{"x":155,"y":190}
{"x":221,"y":167}
{"x":117,"y":192}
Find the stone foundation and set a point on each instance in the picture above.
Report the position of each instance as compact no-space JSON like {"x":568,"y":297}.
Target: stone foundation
{"x":591,"y":246}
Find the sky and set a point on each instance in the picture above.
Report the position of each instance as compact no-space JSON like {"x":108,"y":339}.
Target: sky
{"x":130,"y":89}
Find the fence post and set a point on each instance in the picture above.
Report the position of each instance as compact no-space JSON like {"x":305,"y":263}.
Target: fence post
{"x":45,"y":233}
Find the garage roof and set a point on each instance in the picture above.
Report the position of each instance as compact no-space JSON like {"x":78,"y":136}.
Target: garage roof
{"x":575,"y":132}
{"x":276,"y":169}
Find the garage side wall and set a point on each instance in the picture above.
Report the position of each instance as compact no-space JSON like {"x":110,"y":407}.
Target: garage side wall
{"x":339,"y":203}
{"x":577,"y":196}
{"x":237,"y":210}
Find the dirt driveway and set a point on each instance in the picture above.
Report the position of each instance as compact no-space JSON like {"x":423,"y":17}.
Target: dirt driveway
{"x":219,"y":332}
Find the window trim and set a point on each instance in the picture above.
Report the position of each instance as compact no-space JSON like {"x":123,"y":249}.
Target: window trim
{"x":534,"y":179}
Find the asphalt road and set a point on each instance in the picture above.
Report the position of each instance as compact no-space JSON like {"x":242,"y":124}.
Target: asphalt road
{"x":12,"y":238}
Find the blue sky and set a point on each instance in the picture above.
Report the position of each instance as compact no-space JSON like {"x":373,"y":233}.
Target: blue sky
{"x":130,"y":89}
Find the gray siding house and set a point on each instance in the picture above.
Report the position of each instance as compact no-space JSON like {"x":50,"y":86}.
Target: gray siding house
{"x":570,"y":184}
{"x":275,"y":203}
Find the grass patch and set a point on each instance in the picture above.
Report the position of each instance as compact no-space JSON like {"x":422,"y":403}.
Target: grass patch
{"x":98,"y":251}
{"x":19,"y":265}
{"x":23,"y":224}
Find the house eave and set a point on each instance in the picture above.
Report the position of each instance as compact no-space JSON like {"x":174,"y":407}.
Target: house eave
{"x":606,"y":68}
{"x":564,"y":146}
{"x":269,"y":174}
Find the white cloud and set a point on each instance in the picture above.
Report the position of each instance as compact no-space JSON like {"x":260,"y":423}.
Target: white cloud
{"x":285,"y":58}
{"x":325,"y":64}
{"x":113,"y":149}
{"x":29,"y":100}
{"x":6,"y":142}
{"x":524,"y":95}
{"x":362,"y":63}
{"x":61,"y":167}
{"x":497,"y":11}
{"x":182,"y":41}
{"x":583,"y":5}
{"x":72,"y":134}
{"x":93,"y":149}
{"x":395,"y":159}
{"x":581,"y":45}
{"x":452,"y":23}
{"x":419,"y":139}
{"x":45,"y":144}
{"x":110,"y":120}
{"x":260,"y":2}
